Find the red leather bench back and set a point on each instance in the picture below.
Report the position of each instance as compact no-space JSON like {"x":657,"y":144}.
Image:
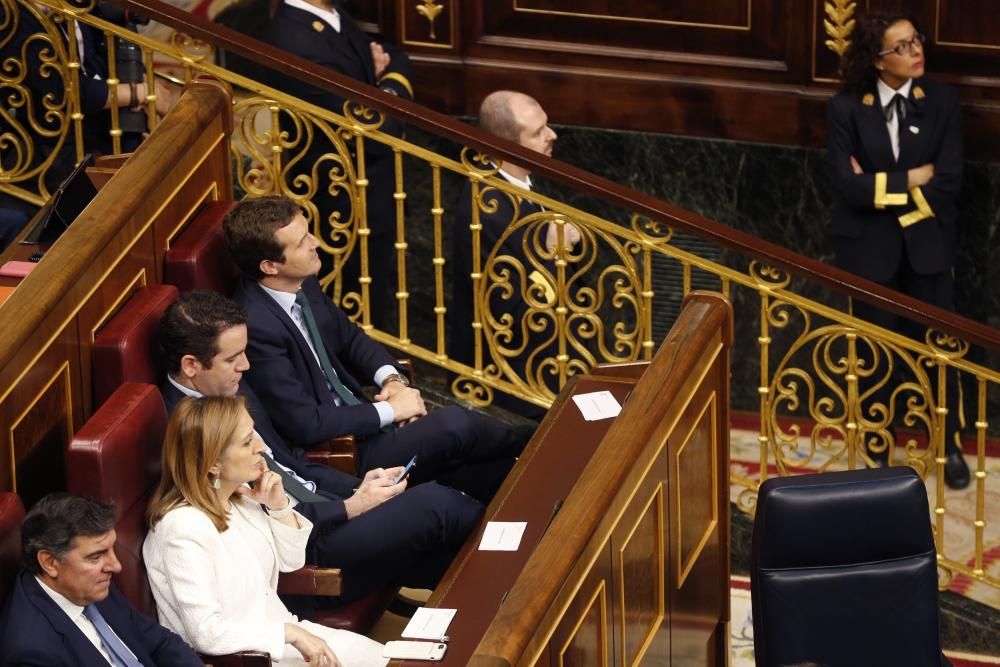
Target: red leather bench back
{"x":116,"y":457}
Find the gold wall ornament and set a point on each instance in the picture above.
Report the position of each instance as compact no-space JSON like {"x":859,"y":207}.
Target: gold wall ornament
{"x":839,"y":24}
{"x":430,"y":10}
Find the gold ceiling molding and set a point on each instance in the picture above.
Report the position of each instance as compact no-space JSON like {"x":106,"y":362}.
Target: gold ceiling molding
{"x":430,"y":10}
{"x":839,"y":24}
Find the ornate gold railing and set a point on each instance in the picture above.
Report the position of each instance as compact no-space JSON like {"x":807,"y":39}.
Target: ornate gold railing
{"x":593,"y":301}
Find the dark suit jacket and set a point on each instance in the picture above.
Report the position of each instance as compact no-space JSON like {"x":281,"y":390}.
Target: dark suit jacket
{"x":332,"y":484}
{"x":461,"y":337}
{"x":875,"y":219}
{"x":284,"y":373}
{"x":347,"y":52}
{"x":35,"y":631}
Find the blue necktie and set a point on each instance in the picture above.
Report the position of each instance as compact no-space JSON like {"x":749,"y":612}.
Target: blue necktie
{"x":120,"y":655}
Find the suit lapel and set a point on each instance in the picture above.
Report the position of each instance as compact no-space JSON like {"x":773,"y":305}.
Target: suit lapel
{"x":874,"y":133}
{"x":74,"y":640}
{"x":350,"y":39}
{"x":349,"y":43}
{"x":315,"y":372}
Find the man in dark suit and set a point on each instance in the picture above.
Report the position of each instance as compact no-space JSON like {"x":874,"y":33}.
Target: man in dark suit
{"x":377,"y":534}
{"x":306,"y":355}
{"x":895,"y":151}
{"x":327,"y":36}
{"x":518,"y":118}
{"x":64,"y":610}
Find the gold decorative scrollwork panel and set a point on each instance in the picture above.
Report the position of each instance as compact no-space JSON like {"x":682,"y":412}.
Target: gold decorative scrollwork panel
{"x":282,"y":151}
{"x":855,"y":388}
{"x":556,"y":297}
{"x":36,"y":96}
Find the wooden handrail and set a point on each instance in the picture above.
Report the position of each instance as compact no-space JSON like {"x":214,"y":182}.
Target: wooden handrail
{"x":574,"y":177}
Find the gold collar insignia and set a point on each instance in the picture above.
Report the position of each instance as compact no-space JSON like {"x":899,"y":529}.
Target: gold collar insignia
{"x":868,"y":99}
{"x":918,"y":93}
{"x":319,"y":26}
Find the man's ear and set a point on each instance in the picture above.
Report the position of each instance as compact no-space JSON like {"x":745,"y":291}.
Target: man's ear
{"x":190,"y":366}
{"x":48,"y":562}
{"x":269,"y":267}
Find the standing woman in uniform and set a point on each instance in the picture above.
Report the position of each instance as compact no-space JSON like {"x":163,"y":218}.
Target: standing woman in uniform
{"x":895,"y":151}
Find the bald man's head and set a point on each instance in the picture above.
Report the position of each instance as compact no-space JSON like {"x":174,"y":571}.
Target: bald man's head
{"x":518,"y":118}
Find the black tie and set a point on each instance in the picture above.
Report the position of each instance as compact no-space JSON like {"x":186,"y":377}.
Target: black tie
{"x":897,"y":107}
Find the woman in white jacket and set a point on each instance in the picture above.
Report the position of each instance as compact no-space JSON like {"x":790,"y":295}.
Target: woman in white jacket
{"x":215,"y":546}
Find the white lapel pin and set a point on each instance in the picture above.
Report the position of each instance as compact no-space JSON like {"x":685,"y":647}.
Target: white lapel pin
{"x":914,"y":129}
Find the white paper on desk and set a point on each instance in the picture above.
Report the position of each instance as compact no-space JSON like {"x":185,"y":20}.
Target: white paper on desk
{"x":429,"y":624}
{"x":597,"y":405}
{"x":502,"y":535}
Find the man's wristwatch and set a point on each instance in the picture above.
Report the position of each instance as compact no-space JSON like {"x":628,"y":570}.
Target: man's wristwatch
{"x":396,"y":377}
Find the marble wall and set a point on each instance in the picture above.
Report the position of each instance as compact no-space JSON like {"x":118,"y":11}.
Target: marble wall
{"x":777,"y":193}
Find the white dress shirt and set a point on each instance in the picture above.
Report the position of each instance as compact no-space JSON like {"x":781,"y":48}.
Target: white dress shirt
{"x":526,"y":183}
{"x":885,"y":95}
{"x":75,"y":613}
{"x":330,"y":16}
{"x":286,"y":300}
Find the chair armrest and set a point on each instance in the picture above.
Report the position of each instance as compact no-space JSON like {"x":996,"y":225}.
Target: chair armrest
{"x":241,"y":659}
{"x":343,"y":462}
{"x":342,"y":444}
{"x":311,"y":580}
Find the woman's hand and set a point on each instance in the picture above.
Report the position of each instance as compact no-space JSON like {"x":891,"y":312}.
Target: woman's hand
{"x":313,"y":649}
{"x":267,"y":490}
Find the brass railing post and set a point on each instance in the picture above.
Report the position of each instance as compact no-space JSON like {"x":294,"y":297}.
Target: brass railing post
{"x":402,"y":295}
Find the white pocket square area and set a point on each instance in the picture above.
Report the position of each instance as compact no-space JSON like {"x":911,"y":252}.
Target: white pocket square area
{"x":914,"y":129}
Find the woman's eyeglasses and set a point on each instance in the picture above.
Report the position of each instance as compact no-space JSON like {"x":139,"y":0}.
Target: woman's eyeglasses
{"x":904,"y":48}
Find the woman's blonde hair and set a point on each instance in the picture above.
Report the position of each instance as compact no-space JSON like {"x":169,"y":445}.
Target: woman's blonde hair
{"x":199,"y":431}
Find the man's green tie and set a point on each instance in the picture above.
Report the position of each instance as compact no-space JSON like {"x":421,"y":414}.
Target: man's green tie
{"x":292,"y":486}
{"x":345,"y":395}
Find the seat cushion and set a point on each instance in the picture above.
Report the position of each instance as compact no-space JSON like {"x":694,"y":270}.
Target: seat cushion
{"x":123,"y":348}
{"x":199,"y":258}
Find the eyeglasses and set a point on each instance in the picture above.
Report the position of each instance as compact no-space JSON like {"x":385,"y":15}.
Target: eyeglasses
{"x":904,"y":48}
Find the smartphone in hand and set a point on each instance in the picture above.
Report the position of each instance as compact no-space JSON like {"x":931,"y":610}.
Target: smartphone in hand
{"x":406,"y":470}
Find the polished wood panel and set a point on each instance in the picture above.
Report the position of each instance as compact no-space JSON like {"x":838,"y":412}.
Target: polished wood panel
{"x":592,"y":583}
{"x":115,"y":247}
{"x":717,"y":69}
{"x":971,"y":23}
{"x":584,"y":636}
